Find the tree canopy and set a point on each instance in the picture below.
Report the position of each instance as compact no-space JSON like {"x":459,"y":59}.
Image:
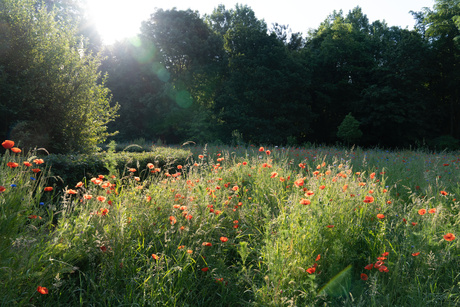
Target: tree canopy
{"x":51,"y":92}
{"x":214,"y":77}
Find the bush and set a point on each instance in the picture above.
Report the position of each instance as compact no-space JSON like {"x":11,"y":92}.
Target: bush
{"x":445,"y":142}
{"x":70,"y":169}
{"x":348,"y":130}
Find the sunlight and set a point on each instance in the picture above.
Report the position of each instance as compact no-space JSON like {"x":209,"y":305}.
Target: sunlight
{"x":118,"y":19}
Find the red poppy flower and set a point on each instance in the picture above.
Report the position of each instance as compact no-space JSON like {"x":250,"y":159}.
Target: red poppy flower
{"x":380,"y":216}
{"x":26,"y":163}
{"x":87,"y":196}
{"x":96,"y":181}
{"x":220,"y":280}
{"x":369,"y":266}
{"x":268,"y":152}
{"x":132,"y":170}
{"x":385,"y":254}
{"x":432,"y":210}
{"x":299,"y":182}
{"x":103,"y":248}
{"x":449,"y":237}
{"x":330,"y":226}
{"x":422,"y":211}
{"x":318,"y":257}
{"x":415,"y":254}
{"x":261,"y":149}
{"x":48,"y":189}
{"x":235,"y":188}
{"x":369,"y":199}
{"x":79,"y":184}
{"x":7,"y":144}
{"x":172,"y":220}
{"x":322,"y":187}
{"x":179,"y":167}
{"x":223,"y":239}
{"x":364,"y":276}
{"x":2,"y":189}
{"x":383,"y":268}
{"x":274,"y":174}
{"x":206,"y":244}
{"x":70,"y":191}
{"x":304,"y":201}
{"x":311,"y":270}
{"x":155,"y":257}
{"x":205,"y":269}
{"x":443,"y":193}
{"x":38,"y":161}
{"x":413,"y":223}
{"x":36,"y":170}
{"x":15,"y":150}
{"x":101,"y":199}
{"x":104,"y":211}
{"x":42,"y":290}
{"x":12,"y":164}
{"x":378,"y":264}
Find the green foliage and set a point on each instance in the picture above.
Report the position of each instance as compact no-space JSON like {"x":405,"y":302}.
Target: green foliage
{"x":230,"y":72}
{"x":348,"y":130}
{"x":70,"y":169}
{"x":52,"y":95}
{"x":445,"y":142}
{"x":234,"y":228}
{"x":439,"y":25}
{"x":263,"y":93}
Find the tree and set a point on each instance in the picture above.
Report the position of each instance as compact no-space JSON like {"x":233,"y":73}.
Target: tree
{"x":397,"y":97}
{"x":378,"y":73}
{"x":192,"y":54}
{"x":50,"y":89}
{"x":341,"y":63}
{"x":441,"y":26}
{"x":73,"y":13}
{"x":349,"y":131}
{"x":264,"y":93}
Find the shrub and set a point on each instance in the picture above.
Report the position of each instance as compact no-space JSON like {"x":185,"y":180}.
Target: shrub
{"x":348,"y":130}
{"x":70,"y":169}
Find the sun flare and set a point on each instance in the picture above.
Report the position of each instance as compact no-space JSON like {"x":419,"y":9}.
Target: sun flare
{"x":118,"y":19}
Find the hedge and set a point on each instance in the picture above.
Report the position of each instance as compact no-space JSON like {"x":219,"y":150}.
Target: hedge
{"x":70,"y":169}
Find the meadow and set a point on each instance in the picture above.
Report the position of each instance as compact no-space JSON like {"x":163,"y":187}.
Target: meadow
{"x":235,"y":226}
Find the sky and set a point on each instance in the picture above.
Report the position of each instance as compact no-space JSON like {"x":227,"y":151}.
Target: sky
{"x":118,"y":19}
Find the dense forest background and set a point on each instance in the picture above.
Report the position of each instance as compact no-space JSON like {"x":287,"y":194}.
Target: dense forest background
{"x":228,"y":77}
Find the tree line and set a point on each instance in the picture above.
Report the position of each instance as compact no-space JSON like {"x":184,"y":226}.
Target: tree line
{"x":229,"y":77}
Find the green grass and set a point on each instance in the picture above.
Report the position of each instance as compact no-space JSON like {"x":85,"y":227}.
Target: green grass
{"x":279,"y":252}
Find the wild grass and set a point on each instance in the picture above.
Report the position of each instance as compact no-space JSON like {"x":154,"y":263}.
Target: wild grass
{"x":237,"y":226}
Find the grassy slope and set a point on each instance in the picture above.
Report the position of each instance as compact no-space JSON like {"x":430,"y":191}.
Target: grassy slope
{"x":87,"y":256}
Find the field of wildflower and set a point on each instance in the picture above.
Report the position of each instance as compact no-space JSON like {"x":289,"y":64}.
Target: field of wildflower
{"x":235,"y":226}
